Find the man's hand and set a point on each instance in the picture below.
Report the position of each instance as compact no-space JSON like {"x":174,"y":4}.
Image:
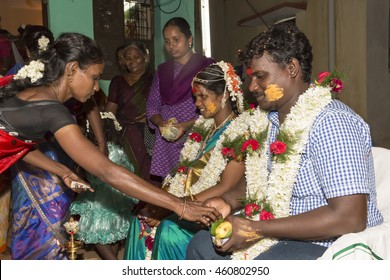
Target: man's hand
{"x":243,"y":236}
{"x":219,"y":204}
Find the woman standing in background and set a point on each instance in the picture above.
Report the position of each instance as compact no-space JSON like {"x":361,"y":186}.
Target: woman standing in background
{"x":171,"y":95}
{"x":127,"y":101}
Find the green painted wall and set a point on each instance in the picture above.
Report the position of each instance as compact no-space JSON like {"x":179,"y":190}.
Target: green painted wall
{"x":73,"y":16}
{"x":77,"y":16}
{"x":70,"y":16}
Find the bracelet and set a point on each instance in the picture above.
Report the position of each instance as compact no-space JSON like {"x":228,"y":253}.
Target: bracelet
{"x":184,"y":209}
{"x":66,"y":175}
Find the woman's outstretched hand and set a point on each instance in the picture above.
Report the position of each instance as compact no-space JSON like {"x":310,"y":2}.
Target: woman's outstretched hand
{"x":197,"y":211}
{"x":75,"y":183}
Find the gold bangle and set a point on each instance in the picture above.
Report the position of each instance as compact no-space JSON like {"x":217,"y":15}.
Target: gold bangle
{"x":184,"y":209}
{"x":66,"y":175}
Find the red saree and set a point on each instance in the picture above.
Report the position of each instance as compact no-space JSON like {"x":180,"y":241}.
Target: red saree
{"x":11,"y":150}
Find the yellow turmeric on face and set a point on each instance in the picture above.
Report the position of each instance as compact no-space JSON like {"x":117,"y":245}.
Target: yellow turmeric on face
{"x":273,"y":92}
{"x":211,"y":107}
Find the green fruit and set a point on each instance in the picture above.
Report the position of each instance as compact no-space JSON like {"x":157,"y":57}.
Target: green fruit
{"x":215,"y":225}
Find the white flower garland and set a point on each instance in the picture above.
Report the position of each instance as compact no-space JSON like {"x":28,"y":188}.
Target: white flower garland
{"x":43,"y":42}
{"x":233,"y":83}
{"x":211,"y":173}
{"x":33,"y":71}
{"x":277,"y":186}
{"x":188,"y":153}
{"x":107,"y":115}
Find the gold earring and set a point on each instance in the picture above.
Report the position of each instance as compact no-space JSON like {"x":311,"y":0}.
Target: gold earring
{"x":70,"y":77}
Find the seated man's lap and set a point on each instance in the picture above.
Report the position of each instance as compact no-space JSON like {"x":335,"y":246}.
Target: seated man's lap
{"x":292,"y":250}
{"x":201,"y":248}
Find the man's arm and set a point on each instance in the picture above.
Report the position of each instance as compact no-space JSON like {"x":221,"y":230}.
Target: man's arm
{"x":229,"y":202}
{"x":342,"y":215}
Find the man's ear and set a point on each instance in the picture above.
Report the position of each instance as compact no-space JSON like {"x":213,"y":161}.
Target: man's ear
{"x":293,"y":67}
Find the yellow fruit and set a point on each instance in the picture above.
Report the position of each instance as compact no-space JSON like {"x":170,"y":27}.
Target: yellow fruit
{"x":224,"y":230}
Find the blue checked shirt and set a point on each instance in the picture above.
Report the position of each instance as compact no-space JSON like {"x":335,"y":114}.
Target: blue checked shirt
{"x":337,"y":162}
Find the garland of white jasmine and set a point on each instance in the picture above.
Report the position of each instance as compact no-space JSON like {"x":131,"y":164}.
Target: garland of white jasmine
{"x":176,"y":184}
{"x":211,"y":173}
{"x":189,"y":153}
{"x":107,"y":115}
{"x":276,"y":187}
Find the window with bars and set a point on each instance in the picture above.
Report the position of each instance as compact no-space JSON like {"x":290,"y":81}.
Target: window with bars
{"x":117,"y":22}
{"x":138,"y":20}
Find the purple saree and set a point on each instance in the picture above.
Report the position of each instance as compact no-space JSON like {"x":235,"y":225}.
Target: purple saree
{"x":171,"y":96}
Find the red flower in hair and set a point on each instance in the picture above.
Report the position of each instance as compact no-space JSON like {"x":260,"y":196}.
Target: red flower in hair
{"x":6,"y":80}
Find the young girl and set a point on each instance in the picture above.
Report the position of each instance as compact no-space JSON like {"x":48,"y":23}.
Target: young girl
{"x":105,"y":213}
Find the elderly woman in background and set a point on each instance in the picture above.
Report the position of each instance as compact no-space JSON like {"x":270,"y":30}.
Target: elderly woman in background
{"x":127,"y":101}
